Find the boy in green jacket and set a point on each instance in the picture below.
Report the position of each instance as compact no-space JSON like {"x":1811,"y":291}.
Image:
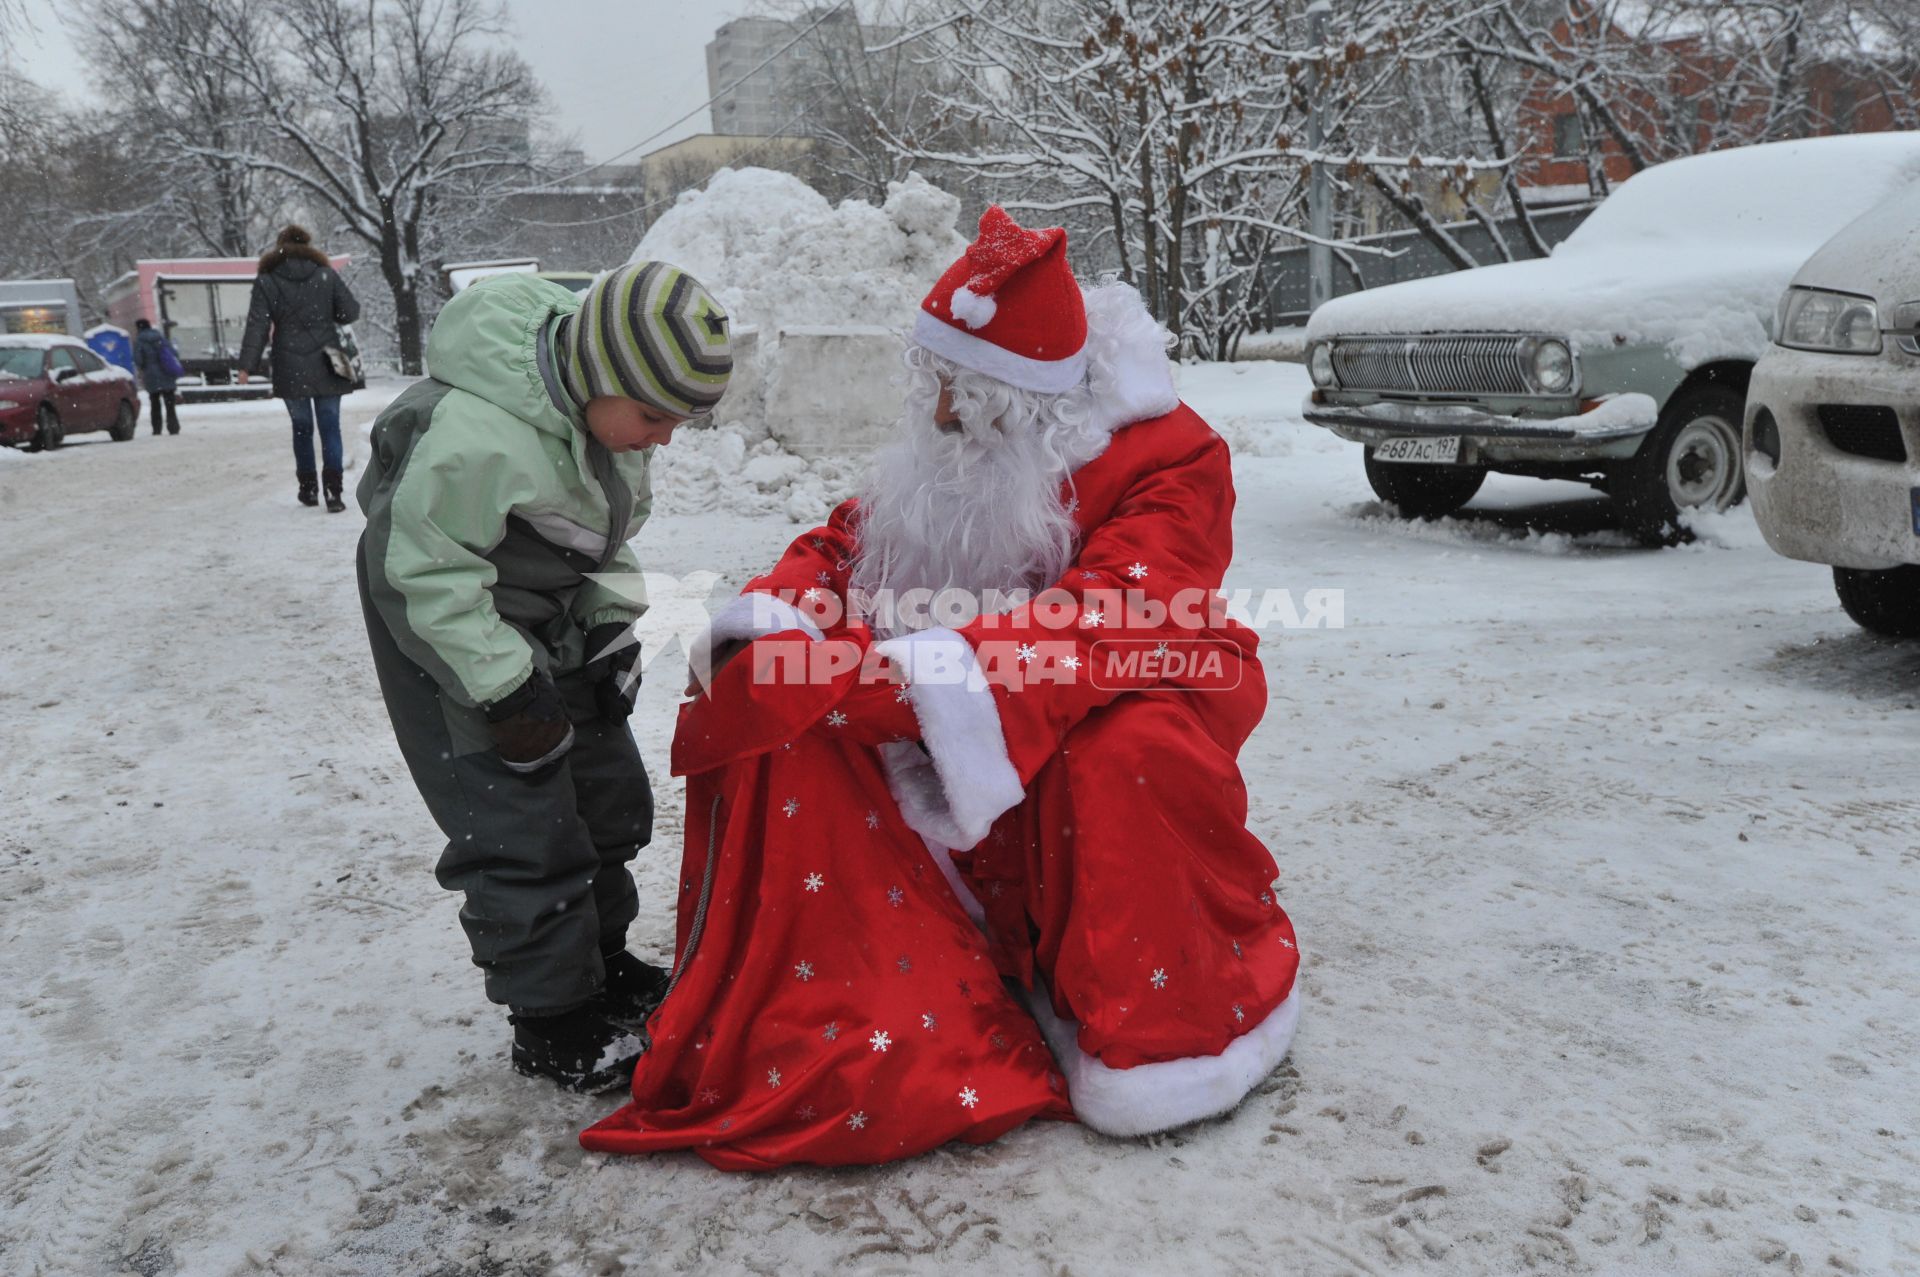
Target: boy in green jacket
{"x":498,"y":490}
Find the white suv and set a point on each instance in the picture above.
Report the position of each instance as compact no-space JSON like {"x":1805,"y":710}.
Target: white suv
{"x":1833,"y":418}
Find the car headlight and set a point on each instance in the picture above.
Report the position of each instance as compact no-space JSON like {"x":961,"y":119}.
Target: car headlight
{"x":8,"y":405}
{"x":1552,"y":365}
{"x":1320,"y":363}
{"x":1837,"y":323}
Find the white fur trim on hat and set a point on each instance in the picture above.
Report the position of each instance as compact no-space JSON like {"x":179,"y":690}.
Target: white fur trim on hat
{"x":1131,"y":378}
{"x":974,"y":309}
{"x":1044,"y":376}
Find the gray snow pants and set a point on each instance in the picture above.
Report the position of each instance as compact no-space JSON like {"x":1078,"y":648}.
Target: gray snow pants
{"x":542,"y":858}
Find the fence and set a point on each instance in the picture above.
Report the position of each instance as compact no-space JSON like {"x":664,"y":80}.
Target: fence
{"x":1417,"y":258}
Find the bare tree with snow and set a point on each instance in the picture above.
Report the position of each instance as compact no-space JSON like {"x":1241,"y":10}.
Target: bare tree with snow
{"x":170,"y":66}
{"x":406,"y":120}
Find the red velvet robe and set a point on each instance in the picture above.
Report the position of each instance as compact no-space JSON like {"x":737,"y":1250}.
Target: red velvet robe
{"x":835,"y":1003}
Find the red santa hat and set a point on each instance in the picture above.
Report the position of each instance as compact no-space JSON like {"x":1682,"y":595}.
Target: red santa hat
{"x":1010,"y":308}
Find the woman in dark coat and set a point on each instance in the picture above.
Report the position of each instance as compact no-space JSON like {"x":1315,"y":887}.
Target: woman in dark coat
{"x":150,"y":362}
{"x":303,"y":300}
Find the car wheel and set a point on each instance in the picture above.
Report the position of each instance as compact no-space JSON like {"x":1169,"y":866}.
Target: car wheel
{"x":1885,"y":601}
{"x":1691,"y":461}
{"x":1421,"y":491}
{"x":48,"y":433}
{"x":123,"y":422}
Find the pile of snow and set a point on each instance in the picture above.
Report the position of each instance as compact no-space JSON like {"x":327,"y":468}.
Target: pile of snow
{"x":1691,"y":255}
{"x":780,"y":257}
{"x":726,"y":470}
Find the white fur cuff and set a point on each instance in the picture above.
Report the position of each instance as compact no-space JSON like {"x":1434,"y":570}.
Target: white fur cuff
{"x":1148,"y":1098}
{"x":953,"y":791}
{"x":750,"y":616}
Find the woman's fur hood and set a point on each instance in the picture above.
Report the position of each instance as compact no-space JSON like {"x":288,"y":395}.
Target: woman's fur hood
{"x":294,"y":244}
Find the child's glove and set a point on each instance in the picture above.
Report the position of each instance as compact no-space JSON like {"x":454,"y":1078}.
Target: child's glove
{"x":529,"y":725}
{"x":615,"y":674}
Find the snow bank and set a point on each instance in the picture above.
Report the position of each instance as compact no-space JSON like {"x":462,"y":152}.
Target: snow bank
{"x":1691,"y":255}
{"x":726,"y":470}
{"x":777,"y":255}
{"x":780,"y":258}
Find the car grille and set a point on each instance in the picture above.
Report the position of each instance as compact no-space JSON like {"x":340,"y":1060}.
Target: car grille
{"x":1432,"y":365}
{"x":1863,"y":430}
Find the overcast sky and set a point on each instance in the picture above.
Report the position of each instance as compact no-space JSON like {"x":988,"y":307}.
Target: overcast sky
{"x":616,"y":70}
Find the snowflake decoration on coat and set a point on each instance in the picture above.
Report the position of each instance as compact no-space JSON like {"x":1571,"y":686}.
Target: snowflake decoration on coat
{"x":1089,"y":575}
{"x":1094,"y":619}
{"x":814,"y":882}
{"x":929,"y":1021}
{"x":709,"y":1096}
{"x":903,"y":694}
{"x":1137,"y":571}
{"x":773,"y":1077}
{"x":1159,"y":980}
{"x":803,"y":971}
{"x":813,"y":592}
{"x":791,"y":807}
{"x":968,"y":1097}
{"x":1026,"y":653}
{"x":1161,"y":648}
{"x":1285,"y":943}
{"x":825,"y":578}
{"x":880,"y":1040}
{"x":1071,"y":662}
{"x":896,"y":897}
{"x":1073,"y":505}
{"x":832,"y":1032}
{"x":1239,"y":1013}
{"x":836,"y":719}
{"x":873,"y":820}
{"x":806,"y":1112}
{"x":857,"y":1121}
{"x":905,"y":964}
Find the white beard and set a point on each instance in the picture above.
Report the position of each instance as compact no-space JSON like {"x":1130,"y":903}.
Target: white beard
{"x":977,"y":511}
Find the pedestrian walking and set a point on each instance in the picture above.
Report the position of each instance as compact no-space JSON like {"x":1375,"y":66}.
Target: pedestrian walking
{"x":159,"y":371}
{"x":299,"y":302}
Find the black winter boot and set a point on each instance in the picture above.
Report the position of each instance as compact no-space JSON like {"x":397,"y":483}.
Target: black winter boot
{"x":632,"y":991}
{"x":581,"y":1049}
{"x":332,"y":480}
{"x":309,"y":487}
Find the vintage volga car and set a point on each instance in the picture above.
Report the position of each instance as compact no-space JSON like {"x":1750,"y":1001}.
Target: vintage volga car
{"x":1833,"y":419}
{"x":1622,"y":360}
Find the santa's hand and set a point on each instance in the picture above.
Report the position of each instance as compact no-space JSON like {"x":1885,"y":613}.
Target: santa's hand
{"x":717,"y":661}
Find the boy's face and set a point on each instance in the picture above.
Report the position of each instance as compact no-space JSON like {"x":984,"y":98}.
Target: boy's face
{"x":627,"y":425}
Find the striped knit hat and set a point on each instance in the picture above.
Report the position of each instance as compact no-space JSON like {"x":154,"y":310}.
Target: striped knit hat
{"x":647,"y":331}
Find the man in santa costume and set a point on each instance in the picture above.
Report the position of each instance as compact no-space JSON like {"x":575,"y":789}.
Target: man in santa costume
{"x":976,"y":739}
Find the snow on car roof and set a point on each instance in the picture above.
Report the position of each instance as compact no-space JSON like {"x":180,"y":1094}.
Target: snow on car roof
{"x":1797,"y":192}
{"x":44,"y":341}
{"x":1691,"y":254}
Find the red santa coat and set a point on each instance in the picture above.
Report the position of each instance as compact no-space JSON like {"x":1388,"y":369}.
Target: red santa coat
{"x":1089,"y":813}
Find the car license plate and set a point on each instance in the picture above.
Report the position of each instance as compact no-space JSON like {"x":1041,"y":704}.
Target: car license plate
{"x":1439,"y":450}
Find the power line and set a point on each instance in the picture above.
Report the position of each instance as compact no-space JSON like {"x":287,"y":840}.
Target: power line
{"x":669,"y":127}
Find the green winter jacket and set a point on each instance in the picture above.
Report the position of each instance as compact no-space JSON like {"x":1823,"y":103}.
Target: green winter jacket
{"x":488,"y":505}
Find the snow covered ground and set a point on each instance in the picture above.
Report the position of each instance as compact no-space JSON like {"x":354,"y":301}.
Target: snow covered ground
{"x":1603,"y":860}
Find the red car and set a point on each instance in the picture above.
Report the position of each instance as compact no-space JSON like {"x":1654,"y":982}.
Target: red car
{"x":52,"y":387}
